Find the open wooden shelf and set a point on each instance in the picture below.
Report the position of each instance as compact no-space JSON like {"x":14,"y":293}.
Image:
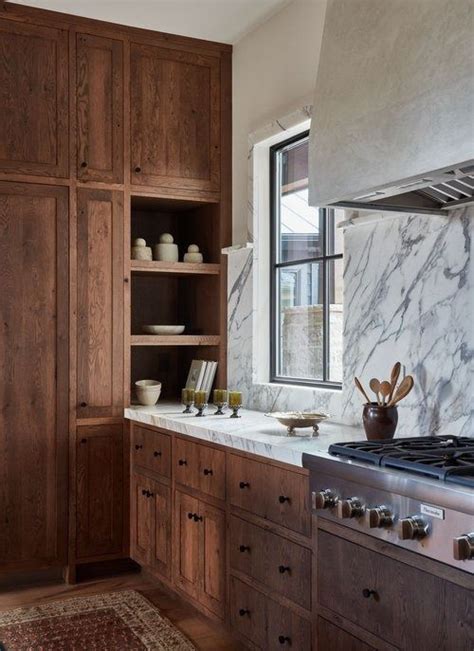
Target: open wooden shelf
{"x":174,"y":268}
{"x":175,"y":340}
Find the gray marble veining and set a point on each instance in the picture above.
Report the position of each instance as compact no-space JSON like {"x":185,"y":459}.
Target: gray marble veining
{"x":253,"y":432}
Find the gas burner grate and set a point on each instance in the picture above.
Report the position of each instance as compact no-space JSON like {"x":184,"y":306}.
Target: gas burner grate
{"x":447,"y":458}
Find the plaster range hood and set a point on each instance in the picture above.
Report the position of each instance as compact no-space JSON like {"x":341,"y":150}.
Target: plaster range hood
{"x":393,"y":116}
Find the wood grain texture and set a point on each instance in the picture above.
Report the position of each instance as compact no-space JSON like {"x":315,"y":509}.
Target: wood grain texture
{"x":100,"y":304}
{"x":34,"y":99}
{"x":174,"y":268}
{"x":187,"y":545}
{"x":141,"y":519}
{"x":161,"y":550}
{"x":99,"y":108}
{"x":99,"y":491}
{"x":403,"y":597}
{"x":332,"y":637}
{"x":213,"y":535}
{"x":175,"y":340}
{"x":34,"y":375}
{"x":175,"y":118}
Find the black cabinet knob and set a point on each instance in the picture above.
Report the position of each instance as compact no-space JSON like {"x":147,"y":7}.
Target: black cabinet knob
{"x":182,"y":462}
{"x":244,"y":548}
{"x":83,"y":440}
{"x":149,"y":494}
{"x":283,"y":568}
{"x":197,"y":518}
{"x":83,"y":404}
{"x":144,"y":492}
{"x":138,"y":169}
{"x":83,"y":164}
{"x":366,"y":593}
{"x":284,"y":639}
{"x":156,"y":453}
{"x":138,"y":447}
{"x":243,"y":612}
{"x":208,"y":471}
{"x":125,"y":280}
{"x":244,"y":484}
{"x":282,"y":499}
{"x":190,"y":516}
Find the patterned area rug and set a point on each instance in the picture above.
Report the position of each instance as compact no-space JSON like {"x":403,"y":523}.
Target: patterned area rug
{"x":113,"y":621}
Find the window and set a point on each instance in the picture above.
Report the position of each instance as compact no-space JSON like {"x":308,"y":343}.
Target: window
{"x":306,"y":275}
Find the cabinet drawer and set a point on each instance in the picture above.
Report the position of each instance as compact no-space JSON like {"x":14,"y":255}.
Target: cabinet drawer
{"x":400,"y":597}
{"x":281,"y":565}
{"x":200,"y":467}
{"x":332,"y":637}
{"x":264,"y":622}
{"x":279,"y":495}
{"x":151,"y":450}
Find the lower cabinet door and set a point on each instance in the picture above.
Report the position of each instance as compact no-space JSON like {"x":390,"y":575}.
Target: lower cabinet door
{"x":142,"y":519}
{"x":248,"y":612}
{"x":332,"y":637}
{"x":213,"y":558}
{"x":99,"y":491}
{"x":287,"y":630}
{"x":161,"y":558}
{"x":187,"y":544}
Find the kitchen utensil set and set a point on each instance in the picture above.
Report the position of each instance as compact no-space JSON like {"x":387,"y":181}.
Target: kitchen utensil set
{"x":387,"y":393}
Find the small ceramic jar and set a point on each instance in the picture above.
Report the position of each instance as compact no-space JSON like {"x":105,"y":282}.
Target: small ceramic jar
{"x":166,"y":250}
{"x":140,"y":251}
{"x":193,"y":254}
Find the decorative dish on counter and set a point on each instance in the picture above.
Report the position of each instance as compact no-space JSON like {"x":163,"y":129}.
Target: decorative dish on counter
{"x":163,"y":329}
{"x":296,"y":419}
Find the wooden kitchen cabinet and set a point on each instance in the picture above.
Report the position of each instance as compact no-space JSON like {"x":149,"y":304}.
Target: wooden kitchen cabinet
{"x":334,"y":638}
{"x":150,"y":524}
{"x":175,"y":118}
{"x":100,"y":345}
{"x":200,"y":551}
{"x":33,"y":99}
{"x":34,"y":385}
{"x":99,"y":108}
{"x":99,"y":491}
{"x":200,"y":467}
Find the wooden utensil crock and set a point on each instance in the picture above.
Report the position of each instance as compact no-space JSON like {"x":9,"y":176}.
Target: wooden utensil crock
{"x":379,"y":422}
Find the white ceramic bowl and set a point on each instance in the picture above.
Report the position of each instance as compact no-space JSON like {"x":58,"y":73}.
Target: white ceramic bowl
{"x":163,"y":329}
{"x":148,"y":391}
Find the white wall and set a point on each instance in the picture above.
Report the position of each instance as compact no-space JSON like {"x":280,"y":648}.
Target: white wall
{"x":274,"y":73}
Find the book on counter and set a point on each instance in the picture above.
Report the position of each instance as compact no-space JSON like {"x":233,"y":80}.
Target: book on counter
{"x":201,"y":375}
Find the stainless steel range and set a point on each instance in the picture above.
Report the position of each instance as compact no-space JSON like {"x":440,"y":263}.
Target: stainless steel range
{"x":417,"y":493}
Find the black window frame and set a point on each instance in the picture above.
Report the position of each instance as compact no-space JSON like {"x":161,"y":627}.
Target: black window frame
{"x":324,"y":259}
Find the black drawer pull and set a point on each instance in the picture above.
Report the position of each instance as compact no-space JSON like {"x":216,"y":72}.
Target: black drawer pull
{"x":244,"y":484}
{"x":149,"y":494}
{"x":83,"y":164}
{"x":366,"y":593}
{"x":244,"y":548}
{"x":83,"y":440}
{"x":243,"y":612}
{"x":156,"y":454}
{"x":284,"y":568}
{"x":182,"y":462}
{"x":197,"y":518}
{"x":190,"y":516}
{"x":284,"y":639}
{"x":282,"y":499}
{"x":138,"y":169}
{"x":83,"y":404}
{"x":144,"y":492}
{"x":208,"y":471}
{"x":138,"y":447}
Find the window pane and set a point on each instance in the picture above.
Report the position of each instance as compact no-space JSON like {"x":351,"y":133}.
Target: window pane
{"x":301,"y":319}
{"x":335,"y":234}
{"x":300,"y":225}
{"x":335,"y":271}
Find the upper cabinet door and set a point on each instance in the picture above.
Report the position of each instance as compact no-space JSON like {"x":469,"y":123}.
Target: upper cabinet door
{"x":33,"y":99}
{"x":175,"y":118}
{"x":99,"y":109}
{"x":99,"y":303}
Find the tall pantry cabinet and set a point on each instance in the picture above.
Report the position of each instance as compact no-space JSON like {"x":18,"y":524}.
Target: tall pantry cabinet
{"x":104,"y":129}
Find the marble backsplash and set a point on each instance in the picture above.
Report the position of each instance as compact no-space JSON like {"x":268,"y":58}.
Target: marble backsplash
{"x":408,"y":296}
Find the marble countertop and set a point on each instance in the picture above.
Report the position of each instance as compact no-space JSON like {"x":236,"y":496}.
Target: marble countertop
{"x":253,"y":432}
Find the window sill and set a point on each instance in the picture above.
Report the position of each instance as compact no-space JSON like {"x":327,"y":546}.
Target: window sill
{"x":297,"y":386}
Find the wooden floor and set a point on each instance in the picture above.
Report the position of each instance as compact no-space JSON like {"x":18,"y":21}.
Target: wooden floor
{"x":206,"y":635}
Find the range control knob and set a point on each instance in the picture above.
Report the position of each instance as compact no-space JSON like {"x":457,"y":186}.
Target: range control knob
{"x":379,"y":516}
{"x":412,"y":528}
{"x":324,"y":499}
{"x":463,"y":547}
{"x":350,"y":508}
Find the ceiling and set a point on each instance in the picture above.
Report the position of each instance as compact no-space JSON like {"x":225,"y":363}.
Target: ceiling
{"x":225,"y":21}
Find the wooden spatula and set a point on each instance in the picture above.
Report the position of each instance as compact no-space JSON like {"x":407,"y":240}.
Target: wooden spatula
{"x":394,"y":378}
{"x":361,"y":389}
{"x":406,"y":385}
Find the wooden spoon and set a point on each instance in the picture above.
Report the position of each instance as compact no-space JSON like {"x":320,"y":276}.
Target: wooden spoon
{"x":385,"y":390}
{"x":394,"y":378}
{"x":374,"y":384}
{"x":361,"y":389}
{"x":406,"y":385}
